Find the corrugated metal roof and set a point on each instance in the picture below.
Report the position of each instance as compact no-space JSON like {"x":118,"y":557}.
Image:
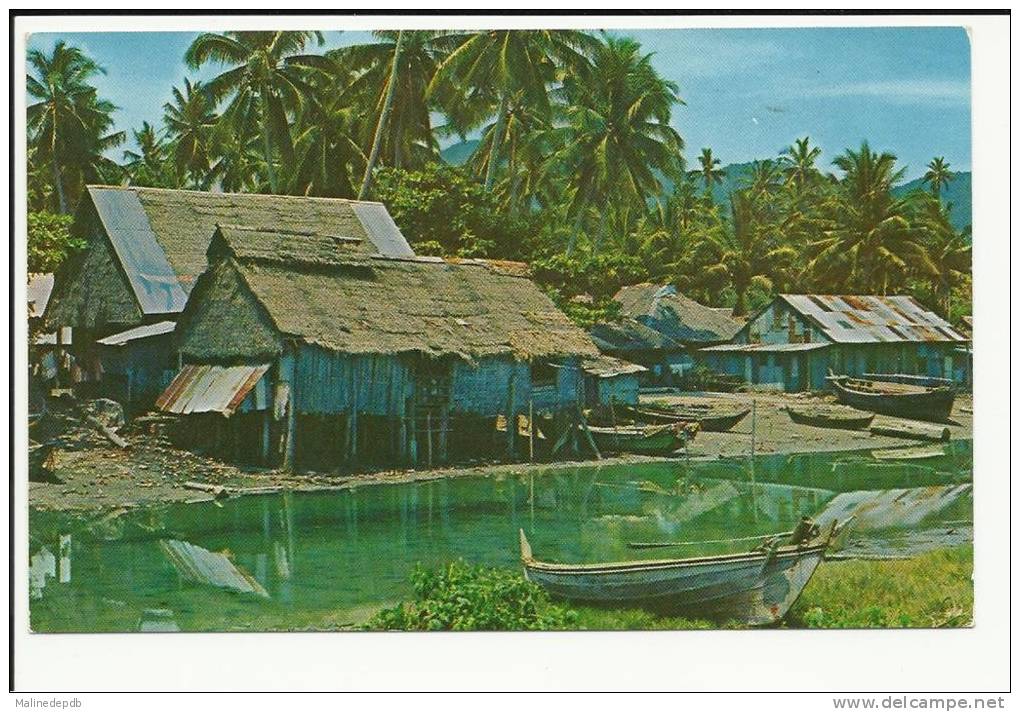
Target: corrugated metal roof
{"x":209,"y":389}
{"x":152,"y":279}
{"x":766,"y":348}
{"x":381,"y":229}
{"x":872,"y":319}
{"x":39,"y":288}
{"x":139,"y":332}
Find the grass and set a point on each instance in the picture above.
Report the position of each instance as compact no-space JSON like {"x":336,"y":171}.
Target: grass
{"x":934,"y":590}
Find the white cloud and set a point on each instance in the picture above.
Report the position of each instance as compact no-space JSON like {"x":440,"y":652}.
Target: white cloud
{"x":909,"y":91}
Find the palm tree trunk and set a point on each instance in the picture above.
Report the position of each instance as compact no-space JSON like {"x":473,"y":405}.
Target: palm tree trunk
{"x":497,"y":139}
{"x":580,"y":219}
{"x":383,"y":116}
{"x":267,"y":147}
{"x":58,"y":185}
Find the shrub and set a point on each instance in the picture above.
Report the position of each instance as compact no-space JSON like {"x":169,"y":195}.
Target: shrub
{"x":459,"y":596}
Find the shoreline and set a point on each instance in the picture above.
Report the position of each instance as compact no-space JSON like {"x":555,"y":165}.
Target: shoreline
{"x":151,"y":473}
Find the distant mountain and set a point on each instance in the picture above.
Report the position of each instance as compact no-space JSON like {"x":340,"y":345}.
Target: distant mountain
{"x":957,"y":193}
{"x":457,"y":154}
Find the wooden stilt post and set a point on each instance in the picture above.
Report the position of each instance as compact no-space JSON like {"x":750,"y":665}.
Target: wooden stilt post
{"x":428,"y":428}
{"x":444,"y":427}
{"x":531,"y":430}
{"x":266,"y":418}
{"x":413,"y":422}
{"x":511,"y":419}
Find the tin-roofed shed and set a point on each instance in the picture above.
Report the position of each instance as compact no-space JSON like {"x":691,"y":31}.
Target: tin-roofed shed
{"x":782,"y":345}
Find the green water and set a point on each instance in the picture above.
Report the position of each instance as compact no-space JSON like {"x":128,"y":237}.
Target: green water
{"x":329,"y":559}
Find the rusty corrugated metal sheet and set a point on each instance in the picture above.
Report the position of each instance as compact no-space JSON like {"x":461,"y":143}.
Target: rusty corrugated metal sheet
{"x":871,"y":319}
{"x":210,"y":389}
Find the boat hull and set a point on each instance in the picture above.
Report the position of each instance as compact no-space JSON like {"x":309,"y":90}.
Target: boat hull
{"x":754,"y":588}
{"x":708,"y":422}
{"x":654,"y":441}
{"x":839,"y":421}
{"x":934,"y":404}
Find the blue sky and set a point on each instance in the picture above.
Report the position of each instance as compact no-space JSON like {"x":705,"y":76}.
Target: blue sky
{"x":748,"y":92}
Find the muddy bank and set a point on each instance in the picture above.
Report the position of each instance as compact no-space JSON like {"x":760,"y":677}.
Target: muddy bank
{"x":98,"y":475}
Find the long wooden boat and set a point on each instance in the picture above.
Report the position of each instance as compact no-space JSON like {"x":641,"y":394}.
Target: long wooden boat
{"x":909,"y":453}
{"x":711,"y":420}
{"x":832,"y":416}
{"x":642,"y":439}
{"x":756,"y":587}
{"x":897,"y":399}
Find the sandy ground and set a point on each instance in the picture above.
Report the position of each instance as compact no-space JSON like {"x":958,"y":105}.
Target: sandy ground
{"x":101,"y":476}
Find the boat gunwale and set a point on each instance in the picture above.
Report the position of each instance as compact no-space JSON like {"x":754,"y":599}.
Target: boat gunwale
{"x":658,"y":564}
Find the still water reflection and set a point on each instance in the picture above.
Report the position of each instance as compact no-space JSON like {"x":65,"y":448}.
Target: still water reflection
{"x":332,"y":558}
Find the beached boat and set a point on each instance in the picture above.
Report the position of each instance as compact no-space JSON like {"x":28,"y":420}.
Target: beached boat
{"x":642,"y":439}
{"x":830,"y":416}
{"x":897,"y":399}
{"x":710,"y":418}
{"x":756,"y":587}
{"x":909,"y":453}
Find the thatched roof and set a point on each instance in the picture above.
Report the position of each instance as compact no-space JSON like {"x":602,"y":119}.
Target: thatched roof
{"x":664,"y":309}
{"x":327,"y":294}
{"x":630,"y":335}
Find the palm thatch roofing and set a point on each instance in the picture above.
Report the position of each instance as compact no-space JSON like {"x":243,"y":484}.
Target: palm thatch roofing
{"x":158,"y":238}
{"x":321,"y":291}
{"x":662,"y":308}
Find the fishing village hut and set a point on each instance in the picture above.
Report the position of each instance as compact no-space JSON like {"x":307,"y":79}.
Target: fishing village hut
{"x":661,"y":328}
{"x":146,"y":247}
{"x":320,"y":354}
{"x":793,"y":342}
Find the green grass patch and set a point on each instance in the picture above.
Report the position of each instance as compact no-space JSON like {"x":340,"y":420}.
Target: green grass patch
{"x":933,"y":590}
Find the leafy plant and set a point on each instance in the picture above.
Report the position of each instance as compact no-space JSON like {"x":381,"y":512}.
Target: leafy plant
{"x":461,"y":597}
{"x":50,"y":241}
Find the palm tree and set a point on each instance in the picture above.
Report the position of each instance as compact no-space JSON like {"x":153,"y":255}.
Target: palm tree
{"x":747,"y":254}
{"x":938,"y":175}
{"x":491,"y":67}
{"x":267,"y":82}
{"x":237,"y":162}
{"x":190,"y":122}
{"x":949,"y":249}
{"x":763,"y":180}
{"x":798,"y":161}
{"x":873,"y":241}
{"x":710,"y":172}
{"x":409,"y":139}
{"x":327,"y":154}
{"x":148,"y":165}
{"x":67,"y":122}
{"x":616,"y":139}
{"x":384,"y":113}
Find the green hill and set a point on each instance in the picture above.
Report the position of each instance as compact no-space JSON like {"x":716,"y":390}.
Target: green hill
{"x":457,"y":154}
{"x":957,"y":194}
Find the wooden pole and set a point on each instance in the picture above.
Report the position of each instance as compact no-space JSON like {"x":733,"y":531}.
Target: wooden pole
{"x":511,"y":420}
{"x":531,"y":430}
{"x":428,"y":428}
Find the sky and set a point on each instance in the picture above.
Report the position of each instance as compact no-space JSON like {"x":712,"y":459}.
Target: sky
{"x":748,"y":93}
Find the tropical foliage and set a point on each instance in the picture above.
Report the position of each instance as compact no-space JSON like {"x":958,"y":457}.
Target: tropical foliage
{"x":577,"y":166}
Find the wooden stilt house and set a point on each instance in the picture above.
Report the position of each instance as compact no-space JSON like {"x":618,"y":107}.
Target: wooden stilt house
{"x":320,"y":354}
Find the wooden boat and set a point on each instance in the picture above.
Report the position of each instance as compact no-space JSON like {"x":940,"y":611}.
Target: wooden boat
{"x":897,"y":399}
{"x":756,"y":587}
{"x":832,"y":416}
{"x":710,"y":419}
{"x":642,"y":439}
{"x":909,"y":453}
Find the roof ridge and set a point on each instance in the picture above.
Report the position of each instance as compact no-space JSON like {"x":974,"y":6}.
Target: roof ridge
{"x":137,"y":188}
